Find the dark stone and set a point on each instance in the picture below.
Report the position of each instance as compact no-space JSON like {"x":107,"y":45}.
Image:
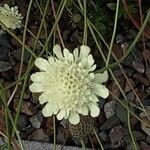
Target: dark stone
{"x":111,"y":122}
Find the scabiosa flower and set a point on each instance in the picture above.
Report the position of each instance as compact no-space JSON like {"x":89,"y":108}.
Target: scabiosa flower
{"x":10,"y":17}
{"x":68,"y":85}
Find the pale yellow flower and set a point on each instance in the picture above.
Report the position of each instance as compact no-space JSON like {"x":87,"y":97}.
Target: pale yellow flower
{"x":10,"y":17}
{"x":68,"y":85}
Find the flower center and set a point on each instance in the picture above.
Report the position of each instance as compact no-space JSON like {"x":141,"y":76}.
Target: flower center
{"x":72,"y":85}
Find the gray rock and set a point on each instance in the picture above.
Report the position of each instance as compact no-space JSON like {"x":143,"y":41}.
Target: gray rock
{"x":103,"y":135}
{"x":121,"y":112}
{"x":23,"y":122}
{"x":138,"y":135}
{"x":111,"y":122}
{"x":36,"y":120}
{"x":39,"y":135}
{"x":117,"y":135}
{"x":109,"y":109}
{"x":148,"y":139}
{"x":31,"y":145}
{"x":130,"y":96}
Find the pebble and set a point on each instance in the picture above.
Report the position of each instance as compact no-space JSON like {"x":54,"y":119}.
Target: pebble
{"x":116,"y":135}
{"x":121,"y":112}
{"x":109,"y":123}
{"x":109,"y":109}
{"x":138,"y":66}
{"x":39,"y":135}
{"x":103,"y":135}
{"x":23,"y":122}
{"x":138,"y":135}
{"x":36,"y":120}
{"x":130,"y":96}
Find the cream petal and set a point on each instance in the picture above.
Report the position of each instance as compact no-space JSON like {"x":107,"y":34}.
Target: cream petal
{"x":90,"y":60}
{"x":38,"y":76}
{"x":58,"y":52}
{"x":74,"y":118}
{"x":93,"y":98}
{"x":61,"y":114}
{"x":51,"y":60}
{"x":76,"y":54}
{"x":44,"y":97}
{"x":92,"y":68}
{"x":47,"y":110}
{"x":70,"y":58}
{"x":66,"y":53}
{"x":84,"y":51}
{"x":85,"y":110}
{"x":101,"y":90}
{"x":101,"y":77}
{"x":42,"y":64}
{"x":36,"y":87}
{"x":94,"y":110}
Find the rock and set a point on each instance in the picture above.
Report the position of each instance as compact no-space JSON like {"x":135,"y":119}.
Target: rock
{"x":131,"y":147}
{"x":111,"y":122}
{"x":39,"y":135}
{"x":138,"y":135}
{"x":5,"y":66}
{"x":48,"y":126}
{"x":116,"y":135}
{"x":121,"y":112}
{"x":28,"y":108}
{"x":138,"y":66}
{"x":144,"y":146}
{"x":103,"y":135}
{"x":23,"y":122}
{"x":130,"y":96}
{"x":141,"y":79}
{"x":146,"y":102}
{"x":36,"y":120}
{"x":127,"y":86}
{"x":109,"y":109}
{"x":17,"y":55}
{"x":148,"y":139}
{"x":101,"y":102}
{"x":60,"y":138}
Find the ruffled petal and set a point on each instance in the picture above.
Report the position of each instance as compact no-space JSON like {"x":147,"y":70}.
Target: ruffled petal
{"x":51,"y":60}
{"x":66,"y":53}
{"x":90,"y":61}
{"x":74,"y":118}
{"x":44,"y":97}
{"x":58,"y":52}
{"x":101,"y":77}
{"x":42,"y":64}
{"x":47,"y":110}
{"x":84,"y":51}
{"x":94,"y":110}
{"x":92,"y":68}
{"x":38,"y":77}
{"x":85,"y":110}
{"x":61,"y":114}
{"x":101,"y":90}
{"x":76,"y":54}
{"x":36,"y":87}
{"x":93,"y":98}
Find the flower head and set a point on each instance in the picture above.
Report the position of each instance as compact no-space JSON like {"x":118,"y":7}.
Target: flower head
{"x":10,"y":16}
{"x":68,"y":85}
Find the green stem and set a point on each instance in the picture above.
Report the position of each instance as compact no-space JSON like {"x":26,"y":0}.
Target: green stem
{"x":114,"y":33}
{"x":130,"y":131}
